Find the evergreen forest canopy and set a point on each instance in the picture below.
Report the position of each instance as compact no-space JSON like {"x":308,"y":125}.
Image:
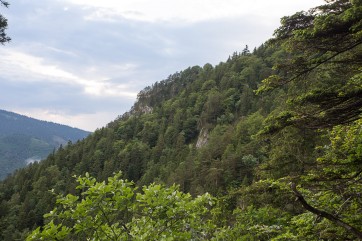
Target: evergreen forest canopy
{"x":24,"y":140}
{"x":264,"y":146}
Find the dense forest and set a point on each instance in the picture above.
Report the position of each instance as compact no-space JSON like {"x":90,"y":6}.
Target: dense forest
{"x":264,"y":146}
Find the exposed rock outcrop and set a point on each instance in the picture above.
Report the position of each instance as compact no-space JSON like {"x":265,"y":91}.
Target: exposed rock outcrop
{"x":203,"y":138}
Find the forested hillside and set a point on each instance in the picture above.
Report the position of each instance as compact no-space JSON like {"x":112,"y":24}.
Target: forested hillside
{"x":24,"y":140}
{"x":273,"y":135}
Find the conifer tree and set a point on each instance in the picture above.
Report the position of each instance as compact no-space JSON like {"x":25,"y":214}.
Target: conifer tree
{"x":324,"y":65}
{"x":3,"y":25}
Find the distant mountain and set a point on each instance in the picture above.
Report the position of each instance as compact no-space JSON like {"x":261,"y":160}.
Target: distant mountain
{"x":24,"y":140}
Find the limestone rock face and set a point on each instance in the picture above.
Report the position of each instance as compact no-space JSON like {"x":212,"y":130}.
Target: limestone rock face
{"x":203,"y":138}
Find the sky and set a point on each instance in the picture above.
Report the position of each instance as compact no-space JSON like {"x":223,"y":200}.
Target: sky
{"x":82,"y":62}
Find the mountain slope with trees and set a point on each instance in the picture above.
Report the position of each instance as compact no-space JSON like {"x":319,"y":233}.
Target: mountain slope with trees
{"x":273,"y":135}
{"x":24,"y":140}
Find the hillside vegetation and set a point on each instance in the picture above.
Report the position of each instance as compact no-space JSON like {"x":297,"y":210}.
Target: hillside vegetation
{"x":264,"y":146}
{"x":24,"y":140}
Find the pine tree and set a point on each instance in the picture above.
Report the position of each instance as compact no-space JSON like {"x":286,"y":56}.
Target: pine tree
{"x":3,"y":25}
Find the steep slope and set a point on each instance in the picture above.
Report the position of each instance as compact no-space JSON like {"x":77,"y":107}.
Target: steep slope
{"x":276,"y":174}
{"x":192,"y":129}
{"x":24,"y":140}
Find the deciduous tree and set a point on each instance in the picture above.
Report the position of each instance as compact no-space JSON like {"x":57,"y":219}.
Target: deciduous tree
{"x":116,"y":210}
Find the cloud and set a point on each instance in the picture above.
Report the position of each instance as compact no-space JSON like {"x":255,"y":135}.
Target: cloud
{"x":60,"y":103}
{"x":82,"y":62}
{"x":19,"y":64}
{"x":187,"y":11}
{"x":35,"y":66}
{"x":87,"y":121}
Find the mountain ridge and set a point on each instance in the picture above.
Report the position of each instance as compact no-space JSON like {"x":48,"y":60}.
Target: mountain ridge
{"x":24,"y":139}
{"x":267,"y":158}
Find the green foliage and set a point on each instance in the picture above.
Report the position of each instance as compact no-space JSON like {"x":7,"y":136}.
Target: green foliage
{"x":115,"y":210}
{"x":264,"y":223}
{"x":156,"y":142}
{"x":324,"y":46}
{"x":336,"y":179}
{"x":206,"y":130}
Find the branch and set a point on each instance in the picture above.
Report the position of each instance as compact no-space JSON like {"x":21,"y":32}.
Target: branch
{"x":108,"y":222}
{"x":324,"y":214}
{"x":308,"y":70}
{"x":6,"y":4}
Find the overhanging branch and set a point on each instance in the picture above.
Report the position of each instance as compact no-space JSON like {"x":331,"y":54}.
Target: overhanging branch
{"x":324,"y":214}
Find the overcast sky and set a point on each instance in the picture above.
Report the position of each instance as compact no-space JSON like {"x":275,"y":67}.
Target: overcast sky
{"x":82,"y":62}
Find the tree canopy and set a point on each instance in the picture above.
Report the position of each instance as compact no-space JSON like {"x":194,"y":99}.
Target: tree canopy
{"x":115,"y":210}
{"x":264,"y":146}
{"x":324,"y":62}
